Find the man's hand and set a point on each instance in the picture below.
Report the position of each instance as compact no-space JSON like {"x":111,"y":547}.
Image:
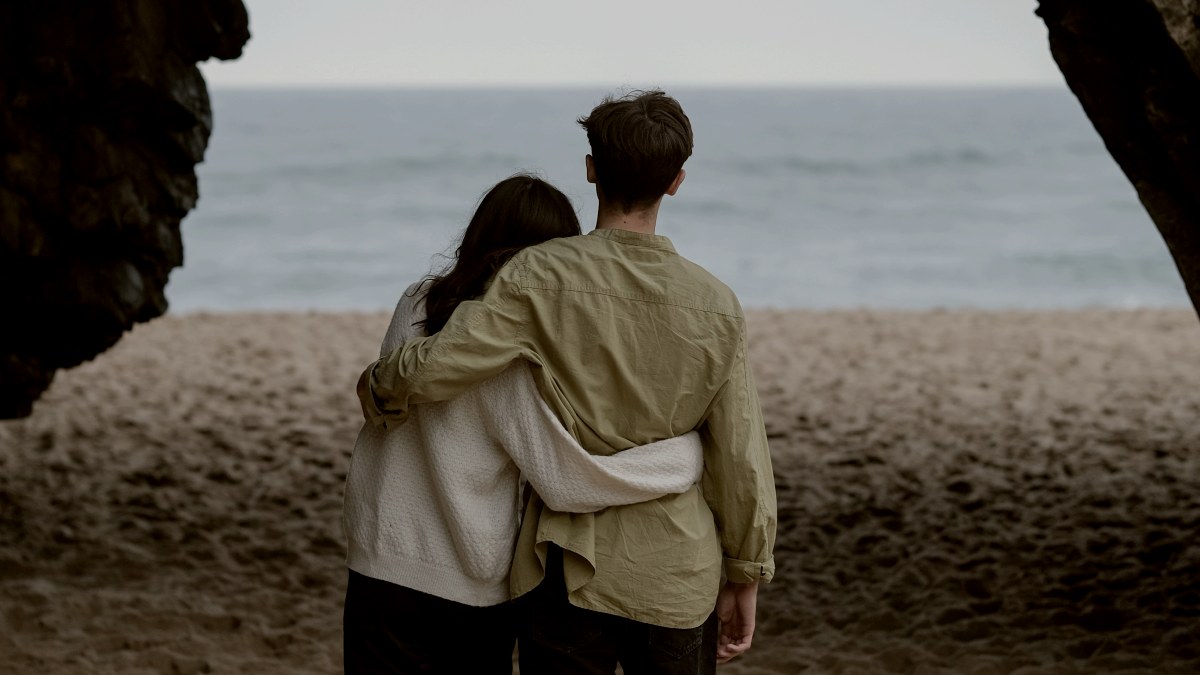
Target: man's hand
{"x":364,"y":393}
{"x":736,"y":605}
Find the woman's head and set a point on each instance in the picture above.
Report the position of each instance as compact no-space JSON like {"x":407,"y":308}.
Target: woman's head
{"x":519,"y":211}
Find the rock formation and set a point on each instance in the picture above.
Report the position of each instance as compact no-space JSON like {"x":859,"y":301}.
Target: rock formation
{"x":1135,"y":67}
{"x":103,"y":117}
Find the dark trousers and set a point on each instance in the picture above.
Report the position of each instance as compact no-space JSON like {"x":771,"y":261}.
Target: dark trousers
{"x":392,"y":629}
{"x":557,"y":638}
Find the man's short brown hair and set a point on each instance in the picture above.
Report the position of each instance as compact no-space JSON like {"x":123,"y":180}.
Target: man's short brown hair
{"x":639,"y":143}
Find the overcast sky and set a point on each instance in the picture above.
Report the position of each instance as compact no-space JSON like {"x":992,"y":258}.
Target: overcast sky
{"x":640,"y":42}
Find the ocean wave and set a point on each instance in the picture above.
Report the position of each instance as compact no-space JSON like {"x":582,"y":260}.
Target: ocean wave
{"x":342,"y":170}
{"x":1097,"y":269}
{"x":923,"y":159}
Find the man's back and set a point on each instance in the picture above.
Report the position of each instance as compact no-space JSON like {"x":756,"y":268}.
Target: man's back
{"x":638,"y":344}
{"x":637,"y":340}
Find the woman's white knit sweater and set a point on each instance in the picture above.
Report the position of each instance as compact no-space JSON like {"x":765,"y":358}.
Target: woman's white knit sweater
{"x":435,"y":503}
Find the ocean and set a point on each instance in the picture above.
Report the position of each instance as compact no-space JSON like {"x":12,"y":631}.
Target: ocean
{"x":891,"y":198}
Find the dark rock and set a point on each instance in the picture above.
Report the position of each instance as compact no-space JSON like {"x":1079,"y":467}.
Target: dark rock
{"x":985,"y":608}
{"x":976,"y":588}
{"x":103,"y":117}
{"x":1160,"y":555}
{"x":1102,"y":620}
{"x":1077,"y":578}
{"x":1151,"y":601}
{"x":1061,"y":618}
{"x":973,"y":505}
{"x":1184,"y":643}
{"x":1083,"y":649}
{"x":980,"y":629}
{"x":952,"y":615}
{"x":961,"y":487}
{"x":1134,"y":65}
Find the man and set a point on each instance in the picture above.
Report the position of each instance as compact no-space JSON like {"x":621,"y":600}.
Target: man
{"x":630,"y":343}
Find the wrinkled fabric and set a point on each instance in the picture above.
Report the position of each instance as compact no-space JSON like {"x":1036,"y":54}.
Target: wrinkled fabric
{"x":630,"y":343}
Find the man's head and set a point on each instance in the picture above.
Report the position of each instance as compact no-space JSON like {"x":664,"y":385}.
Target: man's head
{"x":639,"y":144}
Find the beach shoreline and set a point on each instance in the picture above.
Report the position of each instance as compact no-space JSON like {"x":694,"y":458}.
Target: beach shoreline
{"x":960,"y":491}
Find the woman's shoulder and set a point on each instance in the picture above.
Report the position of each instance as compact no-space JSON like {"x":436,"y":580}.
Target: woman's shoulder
{"x":410,"y":310}
{"x":416,"y":290}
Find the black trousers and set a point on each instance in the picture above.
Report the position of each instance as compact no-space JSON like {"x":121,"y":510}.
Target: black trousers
{"x":557,"y":638}
{"x":395,"y":630}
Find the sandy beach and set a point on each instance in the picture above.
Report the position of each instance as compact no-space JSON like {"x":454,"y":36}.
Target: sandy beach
{"x":959,"y":491}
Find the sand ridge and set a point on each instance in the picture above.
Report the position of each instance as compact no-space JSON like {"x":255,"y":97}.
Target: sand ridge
{"x":960,"y":492}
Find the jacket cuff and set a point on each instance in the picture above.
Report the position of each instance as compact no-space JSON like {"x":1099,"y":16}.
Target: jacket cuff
{"x":370,"y":405}
{"x":746,"y":572}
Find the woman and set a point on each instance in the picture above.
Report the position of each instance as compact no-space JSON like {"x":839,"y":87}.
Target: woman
{"x":432,"y":506}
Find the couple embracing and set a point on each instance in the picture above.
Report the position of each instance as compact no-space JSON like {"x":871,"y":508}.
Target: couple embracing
{"x":564,"y":444}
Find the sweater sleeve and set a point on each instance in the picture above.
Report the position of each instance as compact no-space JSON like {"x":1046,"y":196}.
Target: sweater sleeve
{"x":566,"y":476}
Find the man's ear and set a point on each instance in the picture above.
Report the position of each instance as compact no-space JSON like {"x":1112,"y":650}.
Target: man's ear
{"x":674,"y":186}
{"x":591,"y":169}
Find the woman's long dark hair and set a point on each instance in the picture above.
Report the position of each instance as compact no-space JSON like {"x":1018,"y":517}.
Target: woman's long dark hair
{"x":519,"y":211}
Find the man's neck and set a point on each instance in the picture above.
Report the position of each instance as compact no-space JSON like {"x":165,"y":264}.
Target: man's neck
{"x":639,"y":220}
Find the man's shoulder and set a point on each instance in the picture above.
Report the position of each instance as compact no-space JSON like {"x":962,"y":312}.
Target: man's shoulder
{"x":721,"y":293}
{"x":550,"y":259}
{"x":584,"y":257}
{"x":554,"y":249}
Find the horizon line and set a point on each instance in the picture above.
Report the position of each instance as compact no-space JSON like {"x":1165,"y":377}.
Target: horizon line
{"x":582,"y":86}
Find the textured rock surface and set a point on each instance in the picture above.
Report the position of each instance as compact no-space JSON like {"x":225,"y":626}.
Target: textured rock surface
{"x":1135,"y":67}
{"x":103,"y":117}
